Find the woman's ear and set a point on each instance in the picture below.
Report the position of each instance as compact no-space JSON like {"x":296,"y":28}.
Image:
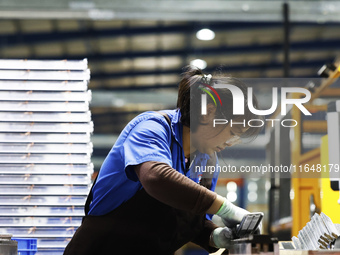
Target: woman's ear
{"x":211,"y":110}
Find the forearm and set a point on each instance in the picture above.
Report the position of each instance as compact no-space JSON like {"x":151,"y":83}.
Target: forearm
{"x":176,"y":190}
{"x":216,"y":205}
{"x":173,"y":188}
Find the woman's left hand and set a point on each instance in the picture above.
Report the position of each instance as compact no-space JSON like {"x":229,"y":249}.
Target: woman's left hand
{"x":221,"y":237}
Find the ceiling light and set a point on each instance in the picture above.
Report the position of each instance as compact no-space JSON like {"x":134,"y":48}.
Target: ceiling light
{"x":232,"y":196}
{"x":231,"y":186}
{"x":252,"y":186}
{"x":205,"y":34}
{"x":201,"y":64}
{"x":252,"y":196}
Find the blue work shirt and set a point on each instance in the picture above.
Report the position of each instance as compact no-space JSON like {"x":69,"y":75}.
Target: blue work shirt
{"x":145,"y":138}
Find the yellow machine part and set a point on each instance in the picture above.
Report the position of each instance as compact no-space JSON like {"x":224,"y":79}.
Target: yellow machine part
{"x":329,"y":197}
{"x":303,"y":189}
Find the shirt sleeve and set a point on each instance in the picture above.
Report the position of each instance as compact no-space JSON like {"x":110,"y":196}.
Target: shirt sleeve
{"x":149,"y":140}
{"x":173,"y":188}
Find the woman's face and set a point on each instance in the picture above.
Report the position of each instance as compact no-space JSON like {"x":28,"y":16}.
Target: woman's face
{"x":209,"y":139}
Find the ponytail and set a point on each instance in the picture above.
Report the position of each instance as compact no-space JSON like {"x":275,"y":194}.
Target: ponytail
{"x":191,"y":78}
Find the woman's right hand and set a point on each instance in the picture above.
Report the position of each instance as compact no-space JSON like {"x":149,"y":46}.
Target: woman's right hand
{"x":221,"y":238}
{"x":231,"y":214}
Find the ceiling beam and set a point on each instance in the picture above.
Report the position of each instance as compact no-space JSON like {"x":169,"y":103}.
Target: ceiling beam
{"x":64,"y":36}
{"x":195,"y":10}
{"x":316,"y":45}
{"x":316,"y":64}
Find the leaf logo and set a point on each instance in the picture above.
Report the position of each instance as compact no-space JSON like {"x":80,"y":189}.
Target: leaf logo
{"x":208,"y":92}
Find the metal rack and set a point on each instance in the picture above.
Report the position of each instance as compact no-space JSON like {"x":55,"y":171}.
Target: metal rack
{"x":45,"y":149}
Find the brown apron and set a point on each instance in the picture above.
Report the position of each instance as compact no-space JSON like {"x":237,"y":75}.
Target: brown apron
{"x":141,"y":225}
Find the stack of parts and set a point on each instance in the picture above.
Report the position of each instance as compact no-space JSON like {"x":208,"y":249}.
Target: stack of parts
{"x":320,"y":233}
{"x":45,"y":150}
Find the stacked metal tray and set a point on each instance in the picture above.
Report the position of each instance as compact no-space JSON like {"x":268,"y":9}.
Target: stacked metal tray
{"x":320,"y":233}
{"x":45,"y":150}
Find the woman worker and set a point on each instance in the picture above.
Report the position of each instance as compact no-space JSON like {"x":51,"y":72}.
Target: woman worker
{"x":147,"y":199}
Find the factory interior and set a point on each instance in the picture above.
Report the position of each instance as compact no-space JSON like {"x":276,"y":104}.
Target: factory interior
{"x":73,"y":73}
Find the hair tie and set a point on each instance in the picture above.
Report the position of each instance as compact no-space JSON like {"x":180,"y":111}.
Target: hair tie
{"x":207,"y":78}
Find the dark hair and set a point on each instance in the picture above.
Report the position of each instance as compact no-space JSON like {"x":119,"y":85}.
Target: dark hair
{"x":189,"y":100}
